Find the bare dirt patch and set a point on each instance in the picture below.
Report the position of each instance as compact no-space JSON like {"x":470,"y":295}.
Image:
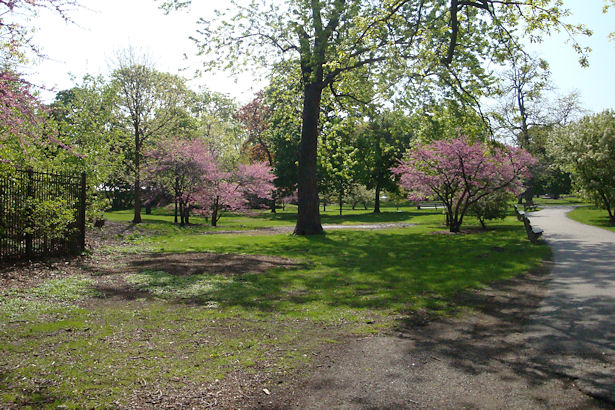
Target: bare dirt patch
{"x":195,"y":263}
{"x":22,"y":275}
{"x":110,"y":276}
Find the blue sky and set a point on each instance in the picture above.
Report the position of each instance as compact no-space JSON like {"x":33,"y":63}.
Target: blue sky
{"x":103,"y":27}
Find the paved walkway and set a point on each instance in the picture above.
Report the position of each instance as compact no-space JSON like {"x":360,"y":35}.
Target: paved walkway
{"x":574,"y":329}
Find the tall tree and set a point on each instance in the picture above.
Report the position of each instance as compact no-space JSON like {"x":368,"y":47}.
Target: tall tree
{"x":338,"y":157}
{"x":85,"y":120}
{"x":328,"y":39}
{"x":283,"y":99}
{"x":586,"y":148}
{"x":151,"y":103}
{"x":382,"y":143}
{"x":216,"y":122}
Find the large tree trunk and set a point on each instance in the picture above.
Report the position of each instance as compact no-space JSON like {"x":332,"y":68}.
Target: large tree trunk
{"x":377,"y":200}
{"x":308,"y":215}
{"x":341,"y":199}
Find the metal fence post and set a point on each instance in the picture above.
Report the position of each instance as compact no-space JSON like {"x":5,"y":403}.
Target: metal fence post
{"x":29,"y":204}
{"x":82,"y":213}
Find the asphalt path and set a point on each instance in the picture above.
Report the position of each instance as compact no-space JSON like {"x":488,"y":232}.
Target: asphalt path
{"x":573,"y":331}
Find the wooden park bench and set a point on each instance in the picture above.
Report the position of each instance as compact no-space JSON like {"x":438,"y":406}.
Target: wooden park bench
{"x":533,"y":232}
{"x":528,"y":208}
{"x":435,"y":205}
{"x":520,"y":214}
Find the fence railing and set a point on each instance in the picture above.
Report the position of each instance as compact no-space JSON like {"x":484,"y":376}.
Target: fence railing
{"x":41,"y":214}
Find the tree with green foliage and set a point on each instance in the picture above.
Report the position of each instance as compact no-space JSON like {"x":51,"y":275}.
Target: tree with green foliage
{"x":283,"y":133}
{"x":338,"y":158}
{"x":151,"y":104}
{"x":359,"y":194}
{"x":330,"y":39}
{"x":586,"y":149}
{"x":493,"y":206}
{"x":382,"y":142}
{"x":216,"y":122}
{"x":84,"y":117}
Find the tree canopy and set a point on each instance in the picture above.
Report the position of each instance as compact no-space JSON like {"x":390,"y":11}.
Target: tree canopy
{"x":401,"y":44}
{"x":586,"y":148}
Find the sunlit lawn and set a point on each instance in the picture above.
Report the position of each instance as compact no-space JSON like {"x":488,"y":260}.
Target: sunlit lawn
{"x":592,"y":216}
{"x":61,"y":344}
{"x":162,"y":220}
{"x":565,"y":200}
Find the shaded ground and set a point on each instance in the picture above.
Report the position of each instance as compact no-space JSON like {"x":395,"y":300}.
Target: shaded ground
{"x":539,"y":341}
{"x":193,"y":263}
{"x":110,"y":276}
{"x":475,"y":361}
{"x":290,"y":229}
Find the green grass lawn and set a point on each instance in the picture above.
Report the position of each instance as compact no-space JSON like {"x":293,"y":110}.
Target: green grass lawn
{"x":590,"y":215}
{"x":161,"y":220}
{"x":61,"y":343}
{"x":567,"y":200}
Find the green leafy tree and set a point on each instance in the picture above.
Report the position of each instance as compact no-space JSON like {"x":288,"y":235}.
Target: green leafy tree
{"x":338,"y":158}
{"x":490,"y":207}
{"x":151,"y":104}
{"x":283,"y":133}
{"x":216,"y":122}
{"x":330,"y":39}
{"x":85,"y":120}
{"x":586,"y":149}
{"x":382,"y":143}
{"x":359,"y":194}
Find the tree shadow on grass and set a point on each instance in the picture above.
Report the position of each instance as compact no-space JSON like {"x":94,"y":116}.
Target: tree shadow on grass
{"x":539,"y":334}
{"x":355,"y":218}
{"x":368,"y":270}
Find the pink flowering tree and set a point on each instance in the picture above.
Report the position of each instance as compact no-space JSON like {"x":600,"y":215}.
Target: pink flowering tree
{"x":232,"y":190}
{"x":16,"y":33}
{"x":180,"y":169}
{"x":460,"y":173}
{"x":22,"y":117}
{"x":189,"y":171}
{"x":19,"y":110}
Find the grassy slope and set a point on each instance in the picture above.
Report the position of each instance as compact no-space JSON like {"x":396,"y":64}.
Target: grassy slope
{"x":59,"y":344}
{"x":592,"y":216}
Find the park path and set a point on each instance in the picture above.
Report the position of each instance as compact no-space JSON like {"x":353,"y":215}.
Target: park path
{"x":540,"y":341}
{"x":573,"y":330}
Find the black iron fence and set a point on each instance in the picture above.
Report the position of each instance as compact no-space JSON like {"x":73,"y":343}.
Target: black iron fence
{"x":41,"y":214}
